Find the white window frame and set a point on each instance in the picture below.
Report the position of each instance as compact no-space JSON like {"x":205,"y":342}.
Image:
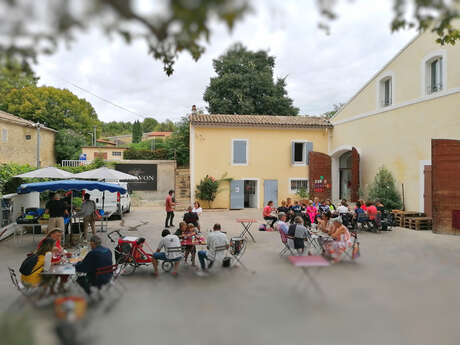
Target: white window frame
{"x":118,"y":154}
{"x":4,"y":135}
{"x":304,"y":161}
{"x":290,"y":191}
{"x":426,"y":72}
{"x":247,"y":153}
{"x":381,"y":90}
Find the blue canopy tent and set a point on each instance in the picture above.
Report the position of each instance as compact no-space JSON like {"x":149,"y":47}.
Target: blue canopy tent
{"x":69,"y":185}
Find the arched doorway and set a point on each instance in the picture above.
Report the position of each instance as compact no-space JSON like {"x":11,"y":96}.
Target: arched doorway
{"x":345,"y":175}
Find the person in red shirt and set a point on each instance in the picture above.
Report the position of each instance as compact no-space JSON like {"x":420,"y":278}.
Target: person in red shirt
{"x":56,"y":235}
{"x":169,"y":204}
{"x":267,"y":213}
{"x":371,"y":210}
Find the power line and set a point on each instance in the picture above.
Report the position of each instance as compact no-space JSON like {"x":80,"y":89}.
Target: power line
{"x":104,"y":99}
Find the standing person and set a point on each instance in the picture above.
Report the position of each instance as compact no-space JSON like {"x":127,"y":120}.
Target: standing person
{"x":57,"y":209}
{"x":169,"y":204}
{"x":88,"y":208}
{"x":217,"y":242}
{"x":267,"y":213}
{"x":98,"y":257}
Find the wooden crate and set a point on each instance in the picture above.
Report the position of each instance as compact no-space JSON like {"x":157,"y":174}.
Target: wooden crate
{"x":401,"y":216}
{"x":419,"y":223}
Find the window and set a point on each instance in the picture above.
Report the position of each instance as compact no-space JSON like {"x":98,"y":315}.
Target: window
{"x":28,"y":137}
{"x":239,"y":151}
{"x":300,"y":152}
{"x":4,"y":135}
{"x":297,"y":184}
{"x":385,"y":90}
{"x":116,"y":153}
{"x":434,"y":75}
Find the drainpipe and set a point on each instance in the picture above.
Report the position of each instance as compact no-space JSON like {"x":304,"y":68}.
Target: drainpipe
{"x":38,"y":144}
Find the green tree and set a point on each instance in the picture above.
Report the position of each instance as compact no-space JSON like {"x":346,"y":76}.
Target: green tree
{"x":149,"y":124}
{"x":68,"y":144}
{"x":384,"y":189}
{"x":178,"y":144}
{"x":137,"y":132}
{"x":55,"y":108}
{"x":330,"y":114}
{"x":14,"y":75}
{"x":7,"y":171}
{"x":166,"y":126}
{"x":113,"y":128}
{"x":245,"y":85}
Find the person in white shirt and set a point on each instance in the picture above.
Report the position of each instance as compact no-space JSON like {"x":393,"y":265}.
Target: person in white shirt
{"x":343,"y":208}
{"x":282,"y":225}
{"x":197,"y":208}
{"x":217,"y":247}
{"x":173,"y":251}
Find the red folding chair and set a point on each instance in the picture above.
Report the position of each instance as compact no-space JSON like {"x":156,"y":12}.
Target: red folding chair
{"x":112,"y":284}
{"x":307,"y":263}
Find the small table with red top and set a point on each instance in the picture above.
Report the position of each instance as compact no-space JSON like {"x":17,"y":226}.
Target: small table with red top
{"x":247,"y":225}
{"x":308,"y":262}
{"x":199,"y":241}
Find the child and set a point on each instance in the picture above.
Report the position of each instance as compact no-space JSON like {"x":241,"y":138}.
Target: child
{"x":190,"y":249}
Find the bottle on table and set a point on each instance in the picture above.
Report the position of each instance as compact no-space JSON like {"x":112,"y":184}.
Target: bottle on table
{"x":47,"y":263}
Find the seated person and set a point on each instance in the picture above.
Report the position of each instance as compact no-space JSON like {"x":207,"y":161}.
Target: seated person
{"x":299,"y":233}
{"x":380,"y":207}
{"x":267,"y":213}
{"x":56,"y":235}
{"x":341,"y":240}
{"x":316,"y":203}
{"x":182,"y":229}
{"x":372,"y":213}
{"x":282,"y":225}
{"x":330,"y":205}
{"x":217,"y":245}
{"x":297,"y":208}
{"x":343,"y":208}
{"x":363,"y":205}
{"x":359,"y":211}
{"x":173,"y":251}
{"x":189,"y":249}
{"x":289,"y":203}
{"x":197,"y":208}
{"x":97,"y":257}
{"x":323,"y":208}
{"x":35,"y":278}
{"x":191,"y":217}
{"x":311,"y":211}
{"x":324,"y":223}
{"x":283,"y":208}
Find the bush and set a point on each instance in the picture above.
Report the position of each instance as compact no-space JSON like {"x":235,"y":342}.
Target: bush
{"x":384,"y":189}
{"x":133,"y":153}
{"x":8,"y":184}
{"x":207,"y":189}
{"x":302,"y":194}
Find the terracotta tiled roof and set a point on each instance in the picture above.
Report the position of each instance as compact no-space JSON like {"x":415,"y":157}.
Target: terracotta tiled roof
{"x":158,"y":134}
{"x":259,"y":121}
{"x":104,"y":141}
{"x":19,"y":121}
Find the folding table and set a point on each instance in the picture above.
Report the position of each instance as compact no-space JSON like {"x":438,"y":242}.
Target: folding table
{"x":247,"y":225}
{"x":308,"y":262}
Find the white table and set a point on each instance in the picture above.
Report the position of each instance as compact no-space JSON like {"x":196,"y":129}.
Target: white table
{"x":60,"y":270}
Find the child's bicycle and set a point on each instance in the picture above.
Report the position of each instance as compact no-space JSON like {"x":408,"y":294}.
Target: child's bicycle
{"x":130,"y":253}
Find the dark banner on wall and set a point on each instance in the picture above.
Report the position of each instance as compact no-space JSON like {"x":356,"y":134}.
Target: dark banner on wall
{"x":146,"y":173}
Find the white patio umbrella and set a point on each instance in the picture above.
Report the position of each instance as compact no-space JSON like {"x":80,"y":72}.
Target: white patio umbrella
{"x":105,"y":174}
{"x":49,"y":172}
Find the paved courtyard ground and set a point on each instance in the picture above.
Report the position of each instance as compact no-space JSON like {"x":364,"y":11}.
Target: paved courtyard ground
{"x":403,"y":290}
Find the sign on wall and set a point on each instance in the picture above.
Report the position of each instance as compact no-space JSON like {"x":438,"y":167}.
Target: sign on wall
{"x":146,"y":173}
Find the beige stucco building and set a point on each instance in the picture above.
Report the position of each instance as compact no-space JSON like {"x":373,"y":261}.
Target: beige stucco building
{"x":18,"y":142}
{"x":109,"y":153}
{"x":266,"y":156}
{"x":392,"y":119}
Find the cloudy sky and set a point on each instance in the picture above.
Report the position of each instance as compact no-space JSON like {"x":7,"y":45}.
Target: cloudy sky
{"x":322,"y":69}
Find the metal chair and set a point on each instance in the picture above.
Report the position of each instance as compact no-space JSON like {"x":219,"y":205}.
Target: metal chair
{"x":286,"y":249}
{"x":168,"y":264}
{"x":112,"y":284}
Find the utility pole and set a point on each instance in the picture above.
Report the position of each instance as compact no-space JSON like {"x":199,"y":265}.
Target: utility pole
{"x":38,"y":144}
{"x":94,"y":136}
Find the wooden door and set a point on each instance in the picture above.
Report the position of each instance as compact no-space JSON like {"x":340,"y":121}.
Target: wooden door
{"x":445,"y":184}
{"x":102,"y":155}
{"x":319,"y":175}
{"x":427,"y":192}
{"x":354,"y":175}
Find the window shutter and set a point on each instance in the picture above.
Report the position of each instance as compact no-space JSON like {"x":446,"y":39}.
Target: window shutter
{"x":239,"y":152}
{"x":308,"y":149}
{"x":293,"y":153}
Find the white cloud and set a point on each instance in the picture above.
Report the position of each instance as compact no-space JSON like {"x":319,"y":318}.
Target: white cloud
{"x":322,"y":69}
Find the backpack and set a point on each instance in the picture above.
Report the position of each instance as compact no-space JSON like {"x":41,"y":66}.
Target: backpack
{"x":27,"y":266}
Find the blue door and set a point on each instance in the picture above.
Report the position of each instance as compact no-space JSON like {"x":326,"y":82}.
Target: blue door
{"x":236,"y":194}
{"x":271,"y":192}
